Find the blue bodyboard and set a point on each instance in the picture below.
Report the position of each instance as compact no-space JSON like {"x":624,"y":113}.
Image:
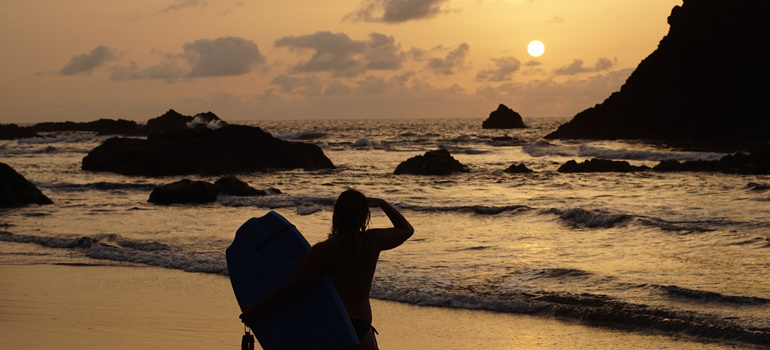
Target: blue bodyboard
{"x":265,"y":253}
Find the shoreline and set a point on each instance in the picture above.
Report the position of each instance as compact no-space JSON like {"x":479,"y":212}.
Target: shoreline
{"x":48,"y":301}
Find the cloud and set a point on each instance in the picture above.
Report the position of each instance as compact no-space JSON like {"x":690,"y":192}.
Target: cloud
{"x":167,"y":70}
{"x":382,"y":52}
{"x":396,"y":11}
{"x":506,"y":67}
{"x":576,"y":67}
{"x":225,"y":56}
{"x":549,"y":98}
{"x":453,"y":61}
{"x":87,"y":62}
{"x":309,"y":86}
{"x":181,"y":5}
{"x":184,"y":4}
{"x":342,"y":56}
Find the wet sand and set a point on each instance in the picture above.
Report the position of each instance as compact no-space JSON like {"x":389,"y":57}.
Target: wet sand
{"x":47,"y":304}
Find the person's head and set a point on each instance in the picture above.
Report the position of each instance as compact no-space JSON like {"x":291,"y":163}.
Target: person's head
{"x":351,"y":213}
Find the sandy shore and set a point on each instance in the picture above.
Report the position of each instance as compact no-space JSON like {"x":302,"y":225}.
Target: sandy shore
{"x":45,"y":304}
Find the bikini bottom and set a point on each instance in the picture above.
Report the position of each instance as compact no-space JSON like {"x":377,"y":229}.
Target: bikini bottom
{"x":362,"y":328}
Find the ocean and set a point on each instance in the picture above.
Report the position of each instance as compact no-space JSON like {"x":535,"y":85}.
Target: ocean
{"x":684,"y":254}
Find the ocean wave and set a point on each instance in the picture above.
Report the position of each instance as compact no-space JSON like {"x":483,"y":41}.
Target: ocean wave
{"x":679,"y":226}
{"x":100,"y":186}
{"x":304,"y":135}
{"x":595,"y":310}
{"x":542,"y":148}
{"x":461,"y":150}
{"x":113,"y":248}
{"x":706,"y":296}
{"x":559,"y":273}
{"x":305,"y":205}
{"x":591,"y":218}
{"x":631,"y":154}
{"x":366,"y":143}
{"x":476,"y":209}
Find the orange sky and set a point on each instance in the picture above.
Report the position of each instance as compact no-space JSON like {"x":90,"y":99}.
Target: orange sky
{"x":82,"y":60}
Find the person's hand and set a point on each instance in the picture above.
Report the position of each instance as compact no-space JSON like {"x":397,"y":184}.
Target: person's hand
{"x":248,"y":314}
{"x":374,"y":202}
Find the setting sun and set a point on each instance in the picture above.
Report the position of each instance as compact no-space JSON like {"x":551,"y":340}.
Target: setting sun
{"x":535,"y":48}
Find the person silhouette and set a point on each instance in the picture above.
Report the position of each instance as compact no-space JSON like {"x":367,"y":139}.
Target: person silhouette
{"x":349,"y":257}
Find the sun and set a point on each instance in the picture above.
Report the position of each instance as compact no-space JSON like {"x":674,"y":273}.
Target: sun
{"x":535,"y":48}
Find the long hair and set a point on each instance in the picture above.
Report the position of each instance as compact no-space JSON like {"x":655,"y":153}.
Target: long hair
{"x":351,"y":214}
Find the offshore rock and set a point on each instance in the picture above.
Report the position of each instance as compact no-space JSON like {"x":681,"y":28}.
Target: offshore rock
{"x":13,"y":132}
{"x":438,"y":162}
{"x":517,"y":169}
{"x":688,"y":88}
{"x":503,"y":118}
{"x":101,"y":127}
{"x":16,"y":190}
{"x":183,"y":192}
{"x":235,"y":187}
{"x":173,"y":120}
{"x":229,"y":149}
{"x":600,"y":166}
{"x":188,"y":191}
{"x":757,"y":162}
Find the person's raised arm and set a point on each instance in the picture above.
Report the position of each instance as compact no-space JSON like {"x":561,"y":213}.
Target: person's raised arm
{"x":389,"y":238}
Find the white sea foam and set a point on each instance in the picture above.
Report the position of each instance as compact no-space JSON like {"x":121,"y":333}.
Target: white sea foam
{"x":201,"y":120}
{"x":632,"y":154}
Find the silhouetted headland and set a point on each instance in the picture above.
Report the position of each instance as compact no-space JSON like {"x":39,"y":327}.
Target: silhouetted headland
{"x":702,"y":86}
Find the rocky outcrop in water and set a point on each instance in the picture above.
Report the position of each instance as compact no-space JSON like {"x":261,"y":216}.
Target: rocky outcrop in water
{"x":192,"y":192}
{"x":235,"y":187}
{"x":740,"y":163}
{"x":600,"y":166}
{"x":13,"y":132}
{"x":226,"y":150}
{"x":517,"y":169}
{"x":173,"y":120}
{"x":16,"y":190}
{"x":101,"y":127}
{"x":503,"y":118}
{"x":703,"y":82}
{"x":438,"y":162}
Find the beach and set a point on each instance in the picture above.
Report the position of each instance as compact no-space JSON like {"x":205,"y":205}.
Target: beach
{"x":55,"y":302}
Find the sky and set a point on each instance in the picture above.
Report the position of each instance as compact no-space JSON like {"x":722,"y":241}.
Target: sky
{"x":82,"y":60}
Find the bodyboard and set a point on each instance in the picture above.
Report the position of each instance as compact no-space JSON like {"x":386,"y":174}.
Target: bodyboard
{"x":264,"y":254}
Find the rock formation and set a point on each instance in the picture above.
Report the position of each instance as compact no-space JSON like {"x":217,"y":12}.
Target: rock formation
{"x":15,"y":190}
{"x":229,"y":149}
{"x":173,"y":120}
{"x":517,"y":169}
{"x":13,"y":131}
{"x":190,"y":192}
{"x":503,"y":118}
{"x":101,"y":127}
{"x":703,"y":82}
{"x":600,"y":165}
{"x":438,"y":162}
{"x":752,"y":163}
